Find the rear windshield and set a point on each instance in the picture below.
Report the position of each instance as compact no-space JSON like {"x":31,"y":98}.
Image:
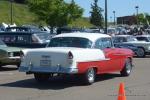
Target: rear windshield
{"x":15,"y":38}
{"x":70,"y":42}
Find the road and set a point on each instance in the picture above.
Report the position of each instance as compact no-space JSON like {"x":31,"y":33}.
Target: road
{"x":19,"y":86}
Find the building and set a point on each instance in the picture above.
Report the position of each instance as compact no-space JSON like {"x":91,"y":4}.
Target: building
{"x":128,"y":20}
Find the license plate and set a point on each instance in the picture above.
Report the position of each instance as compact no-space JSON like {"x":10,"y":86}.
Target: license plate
{"x":45,"y":63}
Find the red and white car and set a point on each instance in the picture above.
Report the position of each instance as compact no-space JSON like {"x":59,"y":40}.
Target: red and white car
{"x":85,"y":54}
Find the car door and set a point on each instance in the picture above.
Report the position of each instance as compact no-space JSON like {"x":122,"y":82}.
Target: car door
{"x":112,"y":62}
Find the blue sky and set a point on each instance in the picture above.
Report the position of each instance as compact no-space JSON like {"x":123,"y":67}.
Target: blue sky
{"x":122,"y":7}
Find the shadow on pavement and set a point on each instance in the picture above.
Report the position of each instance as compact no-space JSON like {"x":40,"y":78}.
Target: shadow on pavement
{"x":5,"y":68}
{"x":56,"y":83}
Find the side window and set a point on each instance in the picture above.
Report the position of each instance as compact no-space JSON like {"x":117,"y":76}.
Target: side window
{"x":98,"y":44}
{"x":103,"y":43}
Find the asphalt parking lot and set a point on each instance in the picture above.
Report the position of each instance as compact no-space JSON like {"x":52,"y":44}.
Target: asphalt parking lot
{"x":19,"y":86}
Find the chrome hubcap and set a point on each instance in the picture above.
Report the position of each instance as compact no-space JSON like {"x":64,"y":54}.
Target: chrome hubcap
{"x":91,"y":75}
{"x":128,"y":67}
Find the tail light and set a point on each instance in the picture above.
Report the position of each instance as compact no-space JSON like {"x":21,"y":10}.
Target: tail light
{"x":21,"y":55}
{"x":70,"y":55}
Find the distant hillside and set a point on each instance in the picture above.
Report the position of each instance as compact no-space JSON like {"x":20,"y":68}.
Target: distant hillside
{"x":81,"y":22}
{"x":21,"y":13}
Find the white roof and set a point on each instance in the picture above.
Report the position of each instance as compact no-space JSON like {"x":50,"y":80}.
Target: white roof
{"x":91,"y":36}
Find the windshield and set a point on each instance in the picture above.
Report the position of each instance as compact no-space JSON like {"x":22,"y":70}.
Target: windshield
{"x":123,"y":39}
{"x":2,"y":43}
{"x":70,"y":42}
{"x":43,"y":36}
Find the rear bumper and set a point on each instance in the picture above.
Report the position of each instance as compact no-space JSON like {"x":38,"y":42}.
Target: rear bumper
{"x":65,"y":70}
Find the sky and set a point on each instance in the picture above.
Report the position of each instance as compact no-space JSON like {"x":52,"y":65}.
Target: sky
{"x":121,"y":7}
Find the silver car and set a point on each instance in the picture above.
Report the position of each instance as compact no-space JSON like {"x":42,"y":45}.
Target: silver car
{"x":143,"y":46}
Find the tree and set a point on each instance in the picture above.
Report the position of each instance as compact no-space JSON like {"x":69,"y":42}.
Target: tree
{"x":96,"y":15}
{"x":144,"y":18}
{"x":55,"y":13}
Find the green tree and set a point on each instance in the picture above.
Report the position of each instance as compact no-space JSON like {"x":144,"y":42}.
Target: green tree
{"x":96,"y":15}
{"x":144,"y":18}
{"x":55,"y":13}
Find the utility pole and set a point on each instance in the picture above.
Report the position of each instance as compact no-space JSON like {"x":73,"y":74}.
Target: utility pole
{"x":11,"y":11}
{"x":114,"y":18}
{"x":105,"y":16}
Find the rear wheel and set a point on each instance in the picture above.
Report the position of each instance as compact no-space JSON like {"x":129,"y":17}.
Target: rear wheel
{"x":89,"y":76}
{"x":140,"y":52}
{"x":41,"y":77}
{"x":127,"y":68}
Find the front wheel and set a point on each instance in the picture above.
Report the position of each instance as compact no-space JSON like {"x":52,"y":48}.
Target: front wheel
{"x":126,"y":71}
{"x":89,"y":76}
{"x":41,"y":77}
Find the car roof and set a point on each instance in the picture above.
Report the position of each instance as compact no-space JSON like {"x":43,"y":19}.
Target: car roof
{"x":91,"y":36}
{"x":122,"y":35}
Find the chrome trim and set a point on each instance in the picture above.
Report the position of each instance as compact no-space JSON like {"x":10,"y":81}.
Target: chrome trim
{"x":32,"y":69}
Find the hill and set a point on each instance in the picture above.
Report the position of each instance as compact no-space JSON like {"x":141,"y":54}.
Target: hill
{"x":22,"y":15}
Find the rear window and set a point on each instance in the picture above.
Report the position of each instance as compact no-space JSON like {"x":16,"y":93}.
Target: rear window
{"x":15,"y":38}
{"x":70,"y":42}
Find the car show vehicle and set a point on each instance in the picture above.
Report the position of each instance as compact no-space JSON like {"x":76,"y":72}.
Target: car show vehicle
{"x":82,"y":54}
{"x":9,"y":55}
{"x":143,"y":47}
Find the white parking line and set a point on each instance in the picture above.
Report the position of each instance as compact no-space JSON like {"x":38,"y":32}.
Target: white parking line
{"x":6,"y":73}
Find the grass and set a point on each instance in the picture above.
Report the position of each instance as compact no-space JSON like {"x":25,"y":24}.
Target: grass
{"x":22,"y":15}
{"x":81,"y":22}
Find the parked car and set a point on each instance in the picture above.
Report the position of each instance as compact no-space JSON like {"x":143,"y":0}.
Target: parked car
{"x":128,"y":46}
{"x":145,"y":38}
{"x":25,"y":39}
{"x":23,"y":29}
{"x":81,"y":54}
{"x":9,"y":55}
{"x":143,"y":47}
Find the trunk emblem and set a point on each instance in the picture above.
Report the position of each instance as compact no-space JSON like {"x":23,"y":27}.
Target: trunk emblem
{"x":46,"y":56}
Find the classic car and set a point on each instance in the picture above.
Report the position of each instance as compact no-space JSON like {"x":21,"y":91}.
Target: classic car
{"x":143,"y":47}
{"x":9,"y":55}
{"x":82,"y":54}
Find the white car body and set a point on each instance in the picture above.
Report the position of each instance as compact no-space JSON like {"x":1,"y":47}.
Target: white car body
{"x":58,"y":56}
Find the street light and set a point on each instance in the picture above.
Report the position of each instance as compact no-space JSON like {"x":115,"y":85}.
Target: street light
{"x":110,"y":19}
{"x":105,"y":16}
{"x":114,"y":18}
{"x":137,"y":11}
